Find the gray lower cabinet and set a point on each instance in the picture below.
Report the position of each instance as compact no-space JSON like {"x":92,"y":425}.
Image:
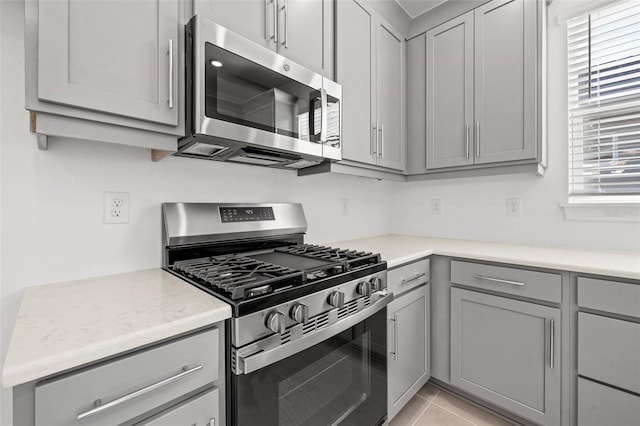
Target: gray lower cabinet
{"x":482,"y":103}
{"x":370,"y":67}
{"x":408,"y":343}
{"x":139,"y":385}
{"x":507,"y":352}
{"x":301,"y":30}
{"x":115,"y":57}
{"x":600,"y":405}
{"x":200,"y":410}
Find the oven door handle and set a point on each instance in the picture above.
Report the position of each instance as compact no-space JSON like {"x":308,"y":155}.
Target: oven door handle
{"x":251,"y":363}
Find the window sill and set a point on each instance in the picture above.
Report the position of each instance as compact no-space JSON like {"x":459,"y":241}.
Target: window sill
{"x":602,"y":212}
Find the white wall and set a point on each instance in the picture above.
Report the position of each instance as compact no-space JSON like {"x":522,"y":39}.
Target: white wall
{"x":475,"y":208}
{"x":51,"y":202}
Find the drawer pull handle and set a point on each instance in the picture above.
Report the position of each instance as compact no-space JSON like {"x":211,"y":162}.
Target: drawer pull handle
{"x":498,"y":280}
{"x":408,"y":280}
{"x":186,"y":371}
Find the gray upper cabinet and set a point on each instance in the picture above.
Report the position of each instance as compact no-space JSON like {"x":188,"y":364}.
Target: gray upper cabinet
{"x":253,"y":19}
{"x":301,"y":30}
{"x":370,"y":68}
{"x":449,"y":106}
{"x":408,"y":343}
{"x":114,"y":57}
{"x":505,"y":80}
{"x":507,"y":352}
{"x":355,"y":71}
{"x":390,"y":78}
{"x":307,"y":33}
{"x":482,"y":87}
{"x":416,"y":105}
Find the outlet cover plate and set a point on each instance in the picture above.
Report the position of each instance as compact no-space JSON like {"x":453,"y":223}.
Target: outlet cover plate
{"x":436,"y":206}
{"x":514,"y":207}
{"x":116,"y":207}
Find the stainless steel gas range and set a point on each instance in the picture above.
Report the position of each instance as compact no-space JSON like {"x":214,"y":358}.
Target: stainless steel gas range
{"x":307,"y":341}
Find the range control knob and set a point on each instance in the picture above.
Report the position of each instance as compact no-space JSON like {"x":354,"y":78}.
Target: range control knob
{"x":364,"y":288}
{"x":300,"y":313}
{"x":336,"y":299}
{"x":275,"y":322}
{"x":376,"y":284}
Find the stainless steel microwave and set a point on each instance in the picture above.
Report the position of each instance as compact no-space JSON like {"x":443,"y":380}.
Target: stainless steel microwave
{"x":248,"y":104}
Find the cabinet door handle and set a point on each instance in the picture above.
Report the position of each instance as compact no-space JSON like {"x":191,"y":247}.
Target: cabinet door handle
{"x":478,"y":139}
{"x":408,"y":280}
{"x":170,"y":53}
{"x":266,"y":18}
{"x":552,"y":333}
{"x":374,"y":141}
{"x":102,"y":407}
{"x":498,"y":280}
{"x":274,"y":37}
{"x":466,"y":138}
{"x":285,"y":8}
{"x":381,"y":150}
{"x":395,"y":336}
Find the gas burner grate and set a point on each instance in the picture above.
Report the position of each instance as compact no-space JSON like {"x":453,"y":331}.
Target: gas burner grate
{"x":353,"y":258}
{"x":239,"y":276}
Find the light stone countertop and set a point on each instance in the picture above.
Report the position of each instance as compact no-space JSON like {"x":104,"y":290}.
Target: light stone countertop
{"x":400,"y":249}
{"x":67,"y":325}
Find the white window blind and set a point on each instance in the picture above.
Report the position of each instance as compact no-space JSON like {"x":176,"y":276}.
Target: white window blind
{"x":604,"y":104}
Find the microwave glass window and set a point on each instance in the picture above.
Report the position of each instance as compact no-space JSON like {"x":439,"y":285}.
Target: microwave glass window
{"x":243,"y":92}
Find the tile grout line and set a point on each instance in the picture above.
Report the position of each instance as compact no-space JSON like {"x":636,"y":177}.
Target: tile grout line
{"x":454,"y":413}
{"x":425,"y":408}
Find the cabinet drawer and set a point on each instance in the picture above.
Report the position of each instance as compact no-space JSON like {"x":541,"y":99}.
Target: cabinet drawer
{"x":609,"y":296}
{"x":536,"y":285}
{"x":129,"y":386}
{"x":600,"y":405}
{"x":201,"y":410}
{"x":407,"y":277}
{"x":609,"y":350}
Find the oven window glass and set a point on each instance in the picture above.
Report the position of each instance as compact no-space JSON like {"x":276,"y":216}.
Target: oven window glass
{"x":243,"y":92}
{"x":341,"y":381}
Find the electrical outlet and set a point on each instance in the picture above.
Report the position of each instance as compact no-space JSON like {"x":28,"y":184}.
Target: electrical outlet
{"x":116,"y":207}
{"x":436,"y":206}
{"x":344,"y":203}
{"x":514,"y":207}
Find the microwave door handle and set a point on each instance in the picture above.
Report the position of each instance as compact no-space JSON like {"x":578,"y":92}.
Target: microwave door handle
{"x":312,"y":121}
{"x":323,"y":115}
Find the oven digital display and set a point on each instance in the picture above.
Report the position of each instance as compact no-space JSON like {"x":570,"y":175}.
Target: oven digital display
{"x":246,"y":214}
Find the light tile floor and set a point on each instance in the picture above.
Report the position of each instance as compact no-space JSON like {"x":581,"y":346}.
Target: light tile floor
{"x":434,"y":407}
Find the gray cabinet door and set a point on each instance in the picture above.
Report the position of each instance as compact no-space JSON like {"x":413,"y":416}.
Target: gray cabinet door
{"x":253,"y":19}
{"x":502,"y":351}
{"x":306,"y":33}
{"x":110,"y":56}
{"x":201,"y":410}
{"x":505,"y":80}
{"x":416,"y":105}
{"x":390,"y":102}
{"x":355,"y":71}
{"x":408,"y":343}
{"x":449,"y":71}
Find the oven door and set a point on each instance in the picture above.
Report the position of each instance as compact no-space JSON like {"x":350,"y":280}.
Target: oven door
{"x":340,"y":380}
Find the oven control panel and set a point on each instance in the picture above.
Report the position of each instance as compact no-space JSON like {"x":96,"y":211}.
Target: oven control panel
{"x":246,"y":214}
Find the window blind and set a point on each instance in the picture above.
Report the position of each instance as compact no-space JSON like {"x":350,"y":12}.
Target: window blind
{"x":604,"y":103}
